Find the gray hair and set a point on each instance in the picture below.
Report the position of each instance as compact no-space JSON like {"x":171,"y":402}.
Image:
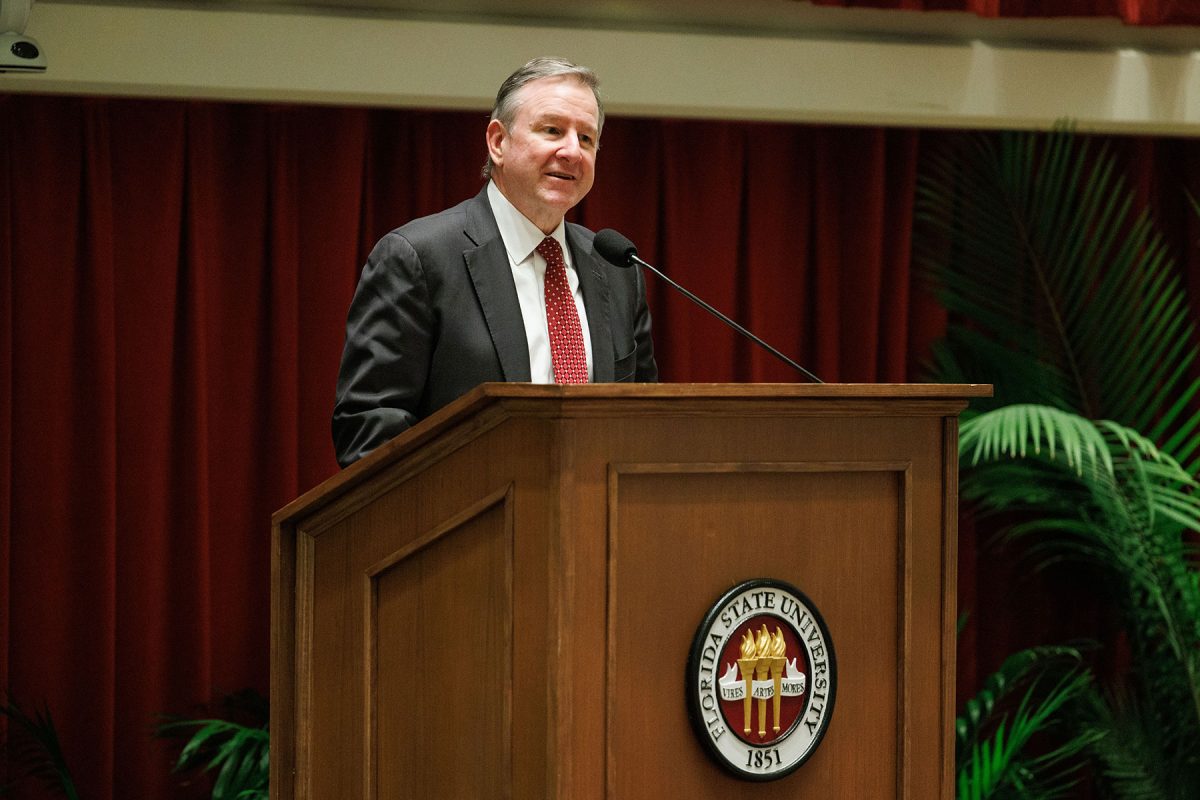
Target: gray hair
{"x":507,"y":101}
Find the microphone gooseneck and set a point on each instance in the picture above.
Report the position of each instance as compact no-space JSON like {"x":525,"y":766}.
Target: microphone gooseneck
{"x":617,"y":249}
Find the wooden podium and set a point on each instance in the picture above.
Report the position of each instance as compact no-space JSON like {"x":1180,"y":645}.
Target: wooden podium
{"x":500,"y":602}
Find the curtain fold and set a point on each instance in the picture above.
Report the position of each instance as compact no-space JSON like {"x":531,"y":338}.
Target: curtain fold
{"x":174,"y":279}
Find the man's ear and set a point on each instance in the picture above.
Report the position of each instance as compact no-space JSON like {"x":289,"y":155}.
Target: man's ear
{"x":496,"y":140}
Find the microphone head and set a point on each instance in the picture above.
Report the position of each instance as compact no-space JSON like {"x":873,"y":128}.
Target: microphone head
{"x":615,"y":248}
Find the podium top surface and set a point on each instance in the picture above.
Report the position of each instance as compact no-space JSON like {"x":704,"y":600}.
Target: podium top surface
{"x":727,"y":390}
{"x":554,"y":400}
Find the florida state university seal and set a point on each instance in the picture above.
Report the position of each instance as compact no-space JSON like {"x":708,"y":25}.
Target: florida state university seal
{"x":761,"y":679}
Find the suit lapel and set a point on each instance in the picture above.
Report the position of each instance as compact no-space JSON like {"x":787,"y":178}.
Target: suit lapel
{"x":593,"y":283}
{"x":488,"y":266}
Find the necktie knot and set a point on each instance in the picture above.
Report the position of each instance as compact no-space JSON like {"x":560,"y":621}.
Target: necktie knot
{"x":551,"y":250}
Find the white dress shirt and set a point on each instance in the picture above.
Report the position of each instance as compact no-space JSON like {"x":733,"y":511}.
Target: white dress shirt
{"x":521,"y":238}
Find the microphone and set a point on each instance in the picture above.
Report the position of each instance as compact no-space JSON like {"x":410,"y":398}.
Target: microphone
{"x":618,"y":250}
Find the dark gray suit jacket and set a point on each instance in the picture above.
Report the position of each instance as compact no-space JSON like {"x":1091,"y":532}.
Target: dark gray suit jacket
{"x":436,"y":314}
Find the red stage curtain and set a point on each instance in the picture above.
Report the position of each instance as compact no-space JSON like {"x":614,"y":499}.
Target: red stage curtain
{"x":174,"y":278}
{"x":1132,"y":12}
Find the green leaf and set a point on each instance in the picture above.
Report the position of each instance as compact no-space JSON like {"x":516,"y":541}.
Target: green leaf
{"x":238,"y":755}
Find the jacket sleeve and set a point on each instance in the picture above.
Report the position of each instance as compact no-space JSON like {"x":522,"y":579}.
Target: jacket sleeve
{"x":385,"y":361}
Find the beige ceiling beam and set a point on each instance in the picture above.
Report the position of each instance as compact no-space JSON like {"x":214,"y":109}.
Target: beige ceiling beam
{"x":318,"y":56}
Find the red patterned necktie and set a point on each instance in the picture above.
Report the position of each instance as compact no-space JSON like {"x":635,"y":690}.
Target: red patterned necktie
{"x":567,"y":353}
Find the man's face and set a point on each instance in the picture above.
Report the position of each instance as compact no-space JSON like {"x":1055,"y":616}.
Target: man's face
{"x":546,"y":161}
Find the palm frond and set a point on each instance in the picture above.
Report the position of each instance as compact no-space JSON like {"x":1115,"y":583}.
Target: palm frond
{"x":1130,"y":752}
{"x":1102,"y":455}
{"x":236,"y":746}
{"x":1016,"y":671}
{"x":35,"y":750}
{"x":1060,"y":294}
{"x":1000,"y":761}
{"x":239,"y":754}
{"x":1018,"y":431}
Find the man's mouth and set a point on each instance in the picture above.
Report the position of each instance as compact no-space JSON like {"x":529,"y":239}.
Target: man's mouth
{"x":562,"y":176}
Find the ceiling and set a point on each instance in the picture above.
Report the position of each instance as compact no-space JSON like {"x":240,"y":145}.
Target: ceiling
{"x":774,"y":18}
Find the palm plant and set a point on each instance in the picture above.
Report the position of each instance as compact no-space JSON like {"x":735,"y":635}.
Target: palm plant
{"x":1069,"y":304}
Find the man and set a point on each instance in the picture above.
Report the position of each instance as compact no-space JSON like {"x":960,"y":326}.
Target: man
{"x":497,"y":288}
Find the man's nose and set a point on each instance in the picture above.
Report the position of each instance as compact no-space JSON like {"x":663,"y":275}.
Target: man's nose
{"x":570,"y":149}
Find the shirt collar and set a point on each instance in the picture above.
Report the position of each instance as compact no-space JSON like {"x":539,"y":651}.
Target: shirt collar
{"x":521,"y":237}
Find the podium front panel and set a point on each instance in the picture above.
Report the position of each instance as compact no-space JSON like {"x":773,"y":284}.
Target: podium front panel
{"x":501,"y":603}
